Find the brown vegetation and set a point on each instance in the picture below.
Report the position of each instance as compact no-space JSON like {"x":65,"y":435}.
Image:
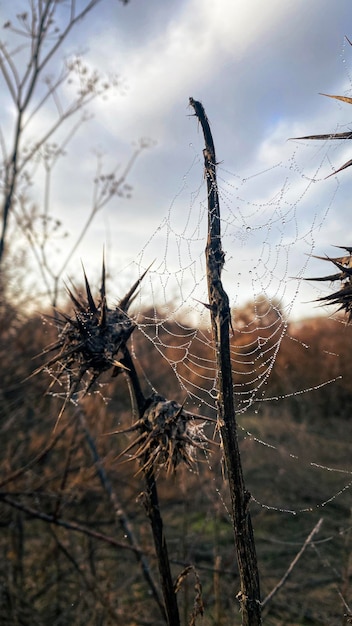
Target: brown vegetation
{"x":74,"y":538}
{"x":87,"y":458}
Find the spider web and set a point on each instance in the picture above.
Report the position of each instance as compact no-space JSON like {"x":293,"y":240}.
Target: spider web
{"x":269,"y":233}
{"x":268,"y":243}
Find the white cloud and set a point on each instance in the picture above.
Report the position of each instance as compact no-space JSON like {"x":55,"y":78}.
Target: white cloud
{"x":171,"y":65}
{"x":257,"y":66}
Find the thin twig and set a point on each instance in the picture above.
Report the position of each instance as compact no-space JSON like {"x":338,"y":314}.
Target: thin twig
{"x":120,"y":514}
{"x":92,"y":586}
{"x":281,"y":582}
{"x":19,"y":472}
{"x":69,"y":525}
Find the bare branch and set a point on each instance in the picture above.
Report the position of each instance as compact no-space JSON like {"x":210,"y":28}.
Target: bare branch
{"x":5,"y":73}
{"x":92,"y":586}
{"x":22,"y":89}
{"x":281,"y":582}
{"x":72,"y":22}
{"x":119,"y":512}
{"x":52,"y":88}
{"x":69,"y":525}
{"x":97,"y":206}
{"x":3,"y":147}
{"x":33,"y":68}
{"x":19,"y":472}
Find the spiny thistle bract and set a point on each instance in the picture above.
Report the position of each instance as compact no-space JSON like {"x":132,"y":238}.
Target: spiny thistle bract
{"x":168,"y":436}
{"x":343,"y":297}
{"x":89,"y":342}
{"x":332,"y":136}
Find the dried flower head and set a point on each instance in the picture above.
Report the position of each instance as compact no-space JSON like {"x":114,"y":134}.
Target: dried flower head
{"x":168,"y":436}
{"x":343,"y":297}
{"x":89,"y":341}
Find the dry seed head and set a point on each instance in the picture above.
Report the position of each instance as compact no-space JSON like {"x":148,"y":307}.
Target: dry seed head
{"x":89,"y":342}
{"x":168,"y":436}
{"x":343,"y":297}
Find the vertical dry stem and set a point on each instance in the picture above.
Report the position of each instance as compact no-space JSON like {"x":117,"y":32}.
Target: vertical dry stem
{"x":249,"y":595}
{"x":152,"y":507}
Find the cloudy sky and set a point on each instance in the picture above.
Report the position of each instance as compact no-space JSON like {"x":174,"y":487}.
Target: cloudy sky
{"x":258,"y":68}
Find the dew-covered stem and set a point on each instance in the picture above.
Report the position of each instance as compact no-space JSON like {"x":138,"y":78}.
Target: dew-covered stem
{"x":249,"y":594}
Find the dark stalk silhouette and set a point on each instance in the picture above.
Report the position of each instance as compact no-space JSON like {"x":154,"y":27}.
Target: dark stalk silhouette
{"x":249,"y":594}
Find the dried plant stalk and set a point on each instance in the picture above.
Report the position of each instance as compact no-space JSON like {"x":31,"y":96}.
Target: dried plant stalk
{"x":249,"y":595}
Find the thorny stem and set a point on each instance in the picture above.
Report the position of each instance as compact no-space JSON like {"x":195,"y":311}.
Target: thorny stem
{"x":119,"y":512}
{"x":152,"y":507}
{"x":153,"y":511}
{"x":249,"y":595}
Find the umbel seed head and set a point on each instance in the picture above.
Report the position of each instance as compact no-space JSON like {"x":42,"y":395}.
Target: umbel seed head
{"x":89,"y":342}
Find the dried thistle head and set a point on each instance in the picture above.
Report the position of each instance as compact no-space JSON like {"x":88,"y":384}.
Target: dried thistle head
{"x":168,"y":436}
{"x":89,"y":341}
{"x":343,"y":297}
